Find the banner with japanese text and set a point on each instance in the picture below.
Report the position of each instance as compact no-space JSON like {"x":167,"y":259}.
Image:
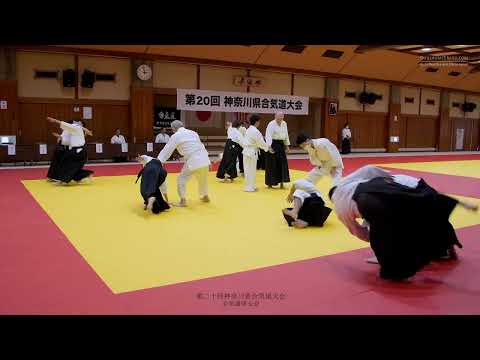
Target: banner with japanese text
{"x":208,"y":100}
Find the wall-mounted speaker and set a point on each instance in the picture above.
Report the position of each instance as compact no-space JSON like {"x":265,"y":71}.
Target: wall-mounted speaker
{"x":88,"y":79}
{"x":368,"y":98}
{"x":468,"y":106}
{"x":69,"y":78}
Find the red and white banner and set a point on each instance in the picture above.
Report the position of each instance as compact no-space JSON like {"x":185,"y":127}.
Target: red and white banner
{"x":196,"y":119}
{"x":221,"y":101}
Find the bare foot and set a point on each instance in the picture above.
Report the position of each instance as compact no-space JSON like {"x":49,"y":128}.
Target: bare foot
{"x":150,"y":202}
{"x":181,"y":203}
{"x":205,"y":199}
{"x":291,"y":213}
{"x":300,"y":224}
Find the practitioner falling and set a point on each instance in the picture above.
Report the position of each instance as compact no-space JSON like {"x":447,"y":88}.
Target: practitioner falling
{"x":227,"y":171}
{"x":324,"y":156}
{"x":153,"y":186}
{"x":389,"y":203}
{"x":276,"y":163}
{"x":61,"y":147}
{"x":252,"y":142}
{"x":308,"y":206}
{"x":71,"y":165}
{"x":197,"y":163}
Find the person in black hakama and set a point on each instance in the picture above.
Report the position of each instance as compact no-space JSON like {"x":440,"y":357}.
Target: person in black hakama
{"x":227,"y":171}
{"x":153,"y":186}
{"x":308,"y":206}
{"x":346,"y":139}
{"x":61,"y":147}
{"x":75,"y":156}
{"x":261,"y":159}
{"x":276,"y":163}
{"x":385,"y":202}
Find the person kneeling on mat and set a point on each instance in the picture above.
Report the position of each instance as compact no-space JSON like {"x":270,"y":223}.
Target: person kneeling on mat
{"x":153,"y":186}
{"x":308,"y":206}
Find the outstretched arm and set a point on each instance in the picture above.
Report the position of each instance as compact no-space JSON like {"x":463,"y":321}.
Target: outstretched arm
{"x":290,"y":194}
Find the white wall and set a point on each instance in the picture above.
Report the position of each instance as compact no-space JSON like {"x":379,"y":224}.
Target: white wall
{"x":410,"y":108}
{"x":311,"y":86}
{"x":346,"y":103}
{"x":174,"y":75}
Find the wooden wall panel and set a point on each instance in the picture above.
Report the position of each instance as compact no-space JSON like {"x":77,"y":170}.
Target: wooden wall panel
{"x":421,"y":131}
{"x":106,"y":119}
{"x":33,"y":124}
{"x":475,"y":135}
{"x":9,"y":116}
{"x":142,"y":114}
{"x":369,"y":130}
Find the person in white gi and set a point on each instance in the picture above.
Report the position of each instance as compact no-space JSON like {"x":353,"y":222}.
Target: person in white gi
{"x":243,"y":131}
{"x":162,"y":137}
{"x":346,"y":138}
{"x":308,"y":205}
{"x":72,"y":168}
{"x":118,"y":138}
{"x":188,"y":144}
{"x":346,"y":208}
{"x":276,"y":163}
{"x":324,"y":156}
{"x":253,"y":140}
{"x":227,"y":171}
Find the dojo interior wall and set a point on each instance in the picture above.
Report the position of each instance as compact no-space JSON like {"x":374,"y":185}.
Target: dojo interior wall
{"x":123,"y":105}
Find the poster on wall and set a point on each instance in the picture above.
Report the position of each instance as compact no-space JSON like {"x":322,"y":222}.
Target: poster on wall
{"x":459,"y":142}
{"x":87,"y":112}
{"x":332,"y":109}
{"x":11,"y":150}
{"x":221,"y":101}
{"x":163,"y":117}
{"x":43,"y":149}
{"x":3,"y":104}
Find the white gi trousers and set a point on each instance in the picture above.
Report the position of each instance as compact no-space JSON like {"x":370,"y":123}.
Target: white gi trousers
{"x":317,"y":172}
{"x":202,"y":178}
{"x":250,"y":172}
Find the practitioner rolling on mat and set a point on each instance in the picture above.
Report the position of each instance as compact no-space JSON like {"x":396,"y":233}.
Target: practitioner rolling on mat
{"x":153,"y":186}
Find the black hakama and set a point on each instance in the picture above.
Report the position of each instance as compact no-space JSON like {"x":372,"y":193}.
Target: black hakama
{"x":54,"y":170}
{"x":261,"y":159}
{"x":72,"y":165}
{"x":346,"y":147}
{"x":408,"y":227}
{"x":228,"y":165}
{"x":313,"y":211}
{"x":153,"y":176}
{"x":276,"y":165}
